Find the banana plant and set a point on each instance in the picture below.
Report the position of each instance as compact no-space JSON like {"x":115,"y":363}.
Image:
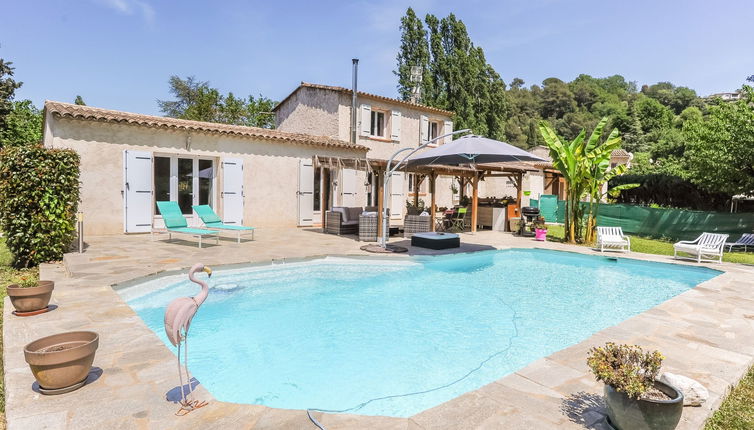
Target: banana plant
{"x":585,"y":165}
{"x":568,"y":158}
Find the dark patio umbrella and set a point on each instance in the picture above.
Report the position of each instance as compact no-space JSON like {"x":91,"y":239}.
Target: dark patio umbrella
{"x":471,"y":150}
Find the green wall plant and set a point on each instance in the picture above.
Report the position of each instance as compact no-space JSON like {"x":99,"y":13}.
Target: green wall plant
{"x":39,"y":196}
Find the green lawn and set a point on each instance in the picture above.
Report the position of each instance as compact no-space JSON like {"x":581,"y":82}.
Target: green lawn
{"x":9,"y":275}
{"x":555,"y":233}
{"x":737,"y":411}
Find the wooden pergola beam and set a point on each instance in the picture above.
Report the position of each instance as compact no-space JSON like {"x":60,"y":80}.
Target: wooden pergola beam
{"x":433,"y":204}
{"x":474,"y":201}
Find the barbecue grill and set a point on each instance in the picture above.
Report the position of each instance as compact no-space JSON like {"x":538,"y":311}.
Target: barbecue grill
{"x":528,"y":215}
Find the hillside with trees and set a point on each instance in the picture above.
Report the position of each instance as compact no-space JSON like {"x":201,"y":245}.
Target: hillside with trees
{"x":698,"y":151}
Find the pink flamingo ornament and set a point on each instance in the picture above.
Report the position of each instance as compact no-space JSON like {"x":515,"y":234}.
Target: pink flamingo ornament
{"x":178,"y":316}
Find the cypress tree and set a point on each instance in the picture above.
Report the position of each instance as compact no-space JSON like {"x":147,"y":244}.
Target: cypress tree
{"x":414,"y":52}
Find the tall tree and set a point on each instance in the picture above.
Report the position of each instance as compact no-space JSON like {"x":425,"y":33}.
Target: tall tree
{"x":196,"y":100}
{"x":720,"y":147}
{"x":413,"y":52}
{"x":8,"y":87}
{"x":23,"y":125}
{"x":456,"y":77}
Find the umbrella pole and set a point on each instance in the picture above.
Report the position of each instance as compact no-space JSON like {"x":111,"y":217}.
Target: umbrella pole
{"x":389,"y":173}
{"x":474,"y":201}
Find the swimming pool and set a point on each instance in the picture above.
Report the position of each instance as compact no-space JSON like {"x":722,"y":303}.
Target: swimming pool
{"x":379,"y":337}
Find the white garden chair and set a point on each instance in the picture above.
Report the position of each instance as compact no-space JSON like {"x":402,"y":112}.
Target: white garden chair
{"x":612,"y":238}
{"x":707,"y":247}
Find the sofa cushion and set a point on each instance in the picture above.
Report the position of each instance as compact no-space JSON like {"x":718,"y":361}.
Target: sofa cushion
{"x":353,"y":214}
{"x":350,"y":223}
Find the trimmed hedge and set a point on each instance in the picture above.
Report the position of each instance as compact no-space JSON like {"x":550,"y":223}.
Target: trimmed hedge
{"x":39,"y":196}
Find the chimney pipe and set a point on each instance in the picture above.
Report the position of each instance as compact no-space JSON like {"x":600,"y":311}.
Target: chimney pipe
{"x":353,"y":98}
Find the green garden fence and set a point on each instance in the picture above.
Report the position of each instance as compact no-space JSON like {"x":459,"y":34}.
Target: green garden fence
{"x":676,"y":224}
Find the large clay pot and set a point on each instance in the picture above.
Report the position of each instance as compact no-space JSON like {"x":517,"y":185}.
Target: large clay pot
{"x":31,"y":299}
{"x":631,"y":414}
{"x":61,"y":362}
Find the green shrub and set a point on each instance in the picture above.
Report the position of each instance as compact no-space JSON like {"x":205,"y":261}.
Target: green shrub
{"x":627,"y":368}
{"x":39,"y":195}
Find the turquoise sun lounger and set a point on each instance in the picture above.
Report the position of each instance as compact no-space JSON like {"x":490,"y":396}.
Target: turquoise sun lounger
{"x":211,"y":220}
{"x":175,"y":222}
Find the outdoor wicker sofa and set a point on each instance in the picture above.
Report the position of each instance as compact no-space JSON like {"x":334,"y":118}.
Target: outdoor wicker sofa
{"x":344,"y":220}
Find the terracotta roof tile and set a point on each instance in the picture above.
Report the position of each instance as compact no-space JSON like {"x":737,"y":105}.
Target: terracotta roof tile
{"x":416,"y":106}
{"x":67,"y":110}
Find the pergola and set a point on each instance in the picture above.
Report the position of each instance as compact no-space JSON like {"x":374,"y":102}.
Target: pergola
{"x":466,"y":174}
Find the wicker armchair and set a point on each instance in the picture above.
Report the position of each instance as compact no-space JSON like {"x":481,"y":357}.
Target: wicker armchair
{"x":416,"y":224}
{"x":341,"y":220}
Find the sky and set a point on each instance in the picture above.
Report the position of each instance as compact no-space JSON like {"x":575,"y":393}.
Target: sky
{"x":119,"y":54}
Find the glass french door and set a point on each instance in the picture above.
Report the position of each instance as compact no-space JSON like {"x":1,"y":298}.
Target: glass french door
{"x":186,"y":180}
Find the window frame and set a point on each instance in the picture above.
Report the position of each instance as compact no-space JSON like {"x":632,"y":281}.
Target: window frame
{"x":438,"y":132}
{"x":385,"y":124}
{"x":195,"y":187}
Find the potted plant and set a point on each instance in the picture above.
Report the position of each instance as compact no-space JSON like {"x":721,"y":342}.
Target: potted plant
{"x":61,"y":362}
{"x":540,"y":228}
{"x":30,"y":297}
{"x":635,"y":399}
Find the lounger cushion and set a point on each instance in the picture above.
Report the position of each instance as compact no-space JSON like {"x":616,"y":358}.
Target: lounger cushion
{"x":189,"y":230}
{"x":222,"y":226}
{"x":206,"y":213}
{"x":171,"y":214}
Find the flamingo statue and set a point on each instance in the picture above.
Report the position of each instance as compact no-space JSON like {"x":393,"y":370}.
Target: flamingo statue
{"x":178,"y":316}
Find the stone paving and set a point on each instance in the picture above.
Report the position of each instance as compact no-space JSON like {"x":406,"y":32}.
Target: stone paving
{"x":706,"y":333}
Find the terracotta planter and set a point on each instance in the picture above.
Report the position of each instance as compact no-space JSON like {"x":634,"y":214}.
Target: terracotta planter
{"x":631,"y":414}
{"x":61,"y":362}
{"x":32,"y":298}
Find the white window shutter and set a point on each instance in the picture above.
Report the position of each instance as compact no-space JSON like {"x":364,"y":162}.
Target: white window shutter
{"x":366,"y":120}
{"x":447,"y":128}
{"x":424,"y":124}
{"x":395,"y":125}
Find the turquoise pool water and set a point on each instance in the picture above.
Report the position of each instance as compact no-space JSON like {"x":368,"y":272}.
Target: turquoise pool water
{"x":394,"y":338}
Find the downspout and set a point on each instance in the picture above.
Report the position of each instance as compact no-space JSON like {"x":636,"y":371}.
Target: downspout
{"x":355,"y":75}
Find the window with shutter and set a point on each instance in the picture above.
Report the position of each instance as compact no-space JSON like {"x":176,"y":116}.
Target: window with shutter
{"x":447,"y":128}
{"x":366,"y":120}
{"x":395,"y":126}
{"x":377,"y":127}
{"x":424,"y":124}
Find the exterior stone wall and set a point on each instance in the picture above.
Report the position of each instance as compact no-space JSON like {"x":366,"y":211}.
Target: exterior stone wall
{"x":311,"y":111}
{"x":270,"y":169}
{"x":304,"y":112}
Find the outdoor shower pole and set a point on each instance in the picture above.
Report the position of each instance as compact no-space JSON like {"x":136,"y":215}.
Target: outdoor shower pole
{"x":389,"y":173}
